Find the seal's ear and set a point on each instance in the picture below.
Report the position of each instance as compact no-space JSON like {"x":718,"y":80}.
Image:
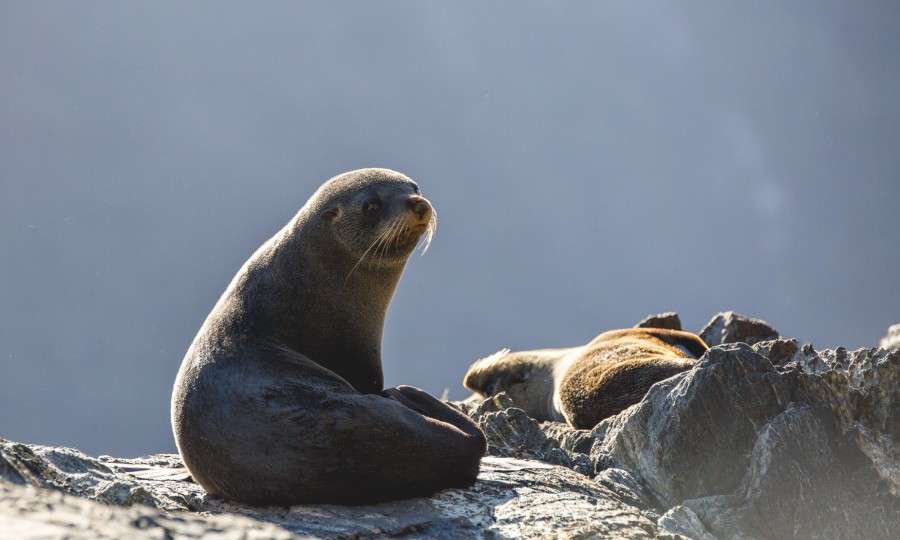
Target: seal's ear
{"x":332,"y":213}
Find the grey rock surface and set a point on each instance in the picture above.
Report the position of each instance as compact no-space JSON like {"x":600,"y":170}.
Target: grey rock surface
{"x":731,"y":327}
{"x":771,"y":440}
{"x":801,"y":467}
{"x":477,"y":411}
{"x":568,"y":438}
{"x":69,"y":470}
{"x":892,"y":339}
{"x":514,"y":502}
{"x":29,"y":513}
{"x":683,"y":521}
{"x":627,"y":488}
{"x":692,"y":434}
{"x":668,"y":320}
{"x":512,"y":433}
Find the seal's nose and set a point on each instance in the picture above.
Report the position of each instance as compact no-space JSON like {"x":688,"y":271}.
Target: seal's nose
{"x":419,"y":205}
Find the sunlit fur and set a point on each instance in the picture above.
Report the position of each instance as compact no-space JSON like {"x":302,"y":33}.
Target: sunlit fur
{"x":280,"y":399}
{"x":583,"y":385}
{"x":394,"y":236}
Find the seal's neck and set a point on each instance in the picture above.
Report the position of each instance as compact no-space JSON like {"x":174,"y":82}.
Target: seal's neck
{"x":331,"y":310}
{"x":543,"y":386}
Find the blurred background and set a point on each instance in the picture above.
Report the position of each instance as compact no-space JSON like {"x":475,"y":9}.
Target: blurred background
{"x":590,"y":163}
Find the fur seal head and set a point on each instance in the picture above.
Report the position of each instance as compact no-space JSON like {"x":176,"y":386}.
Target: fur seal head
{"x":376,"y":215}
{"x":527,"y":377}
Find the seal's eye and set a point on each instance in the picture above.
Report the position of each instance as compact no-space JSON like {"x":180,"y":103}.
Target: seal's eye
{"x":519,"y":376}
{"x":370,"y":207}
{"x":416,"y":189}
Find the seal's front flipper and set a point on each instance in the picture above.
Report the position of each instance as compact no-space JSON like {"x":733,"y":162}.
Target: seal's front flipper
{"x":690,"y":344}
{"x":427,"y":405}
{"x":416,"y":399}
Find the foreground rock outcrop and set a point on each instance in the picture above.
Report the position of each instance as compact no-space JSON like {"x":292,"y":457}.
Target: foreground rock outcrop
{"x":770,"y":439}
{"x":772,"y":442}
{"x":43,"y":491}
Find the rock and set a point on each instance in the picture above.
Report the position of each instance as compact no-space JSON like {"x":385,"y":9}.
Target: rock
{"x":518,"y":502}
{"x":492,"y":404}
{"x":568,"y":438}
{"x":626,"y":487}
{"x":692,"y":434}
{"x":783,"y":352}
{"x":892,"y":339}
{"x":583,"y":510}
{"x":46,"y":514}
{"x":776,"y":442}
{"x":682,"y":520}
{"x":802,"y":466}
{"x":70,"y":471}
{"x":512,"y":433}
{"x":861,"y":388}
{"x":668,"y":320}
{"x":731,"y":327}
{"x":773,"y":440}
{"x":599,"y":431}
{"x":863,"y":392}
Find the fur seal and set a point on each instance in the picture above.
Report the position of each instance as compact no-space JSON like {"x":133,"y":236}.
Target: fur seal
{"x":584,"y":385}
{"x":279,"y":399}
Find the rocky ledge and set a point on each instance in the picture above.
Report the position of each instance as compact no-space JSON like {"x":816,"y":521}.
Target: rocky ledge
{"x":768,"y":440}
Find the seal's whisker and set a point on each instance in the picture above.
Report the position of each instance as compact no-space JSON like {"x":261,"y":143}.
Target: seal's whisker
{"x":429,"y":232}
{"x":380,"y":249}
{"x":385,"y":240}
{"x":396,"y":230}
{"x":363,"y":256}
{"x":378,"y":252}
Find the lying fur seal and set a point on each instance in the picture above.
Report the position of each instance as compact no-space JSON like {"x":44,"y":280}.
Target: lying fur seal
{"x":584,"y":385}
{"x":279,"y":399}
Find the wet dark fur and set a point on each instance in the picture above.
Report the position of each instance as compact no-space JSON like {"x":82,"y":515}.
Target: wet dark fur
{"x":280,"y":397}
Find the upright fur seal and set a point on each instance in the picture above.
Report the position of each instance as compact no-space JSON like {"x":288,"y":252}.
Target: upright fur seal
{"x":280,"y":399}
{"x":584,"y":385}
